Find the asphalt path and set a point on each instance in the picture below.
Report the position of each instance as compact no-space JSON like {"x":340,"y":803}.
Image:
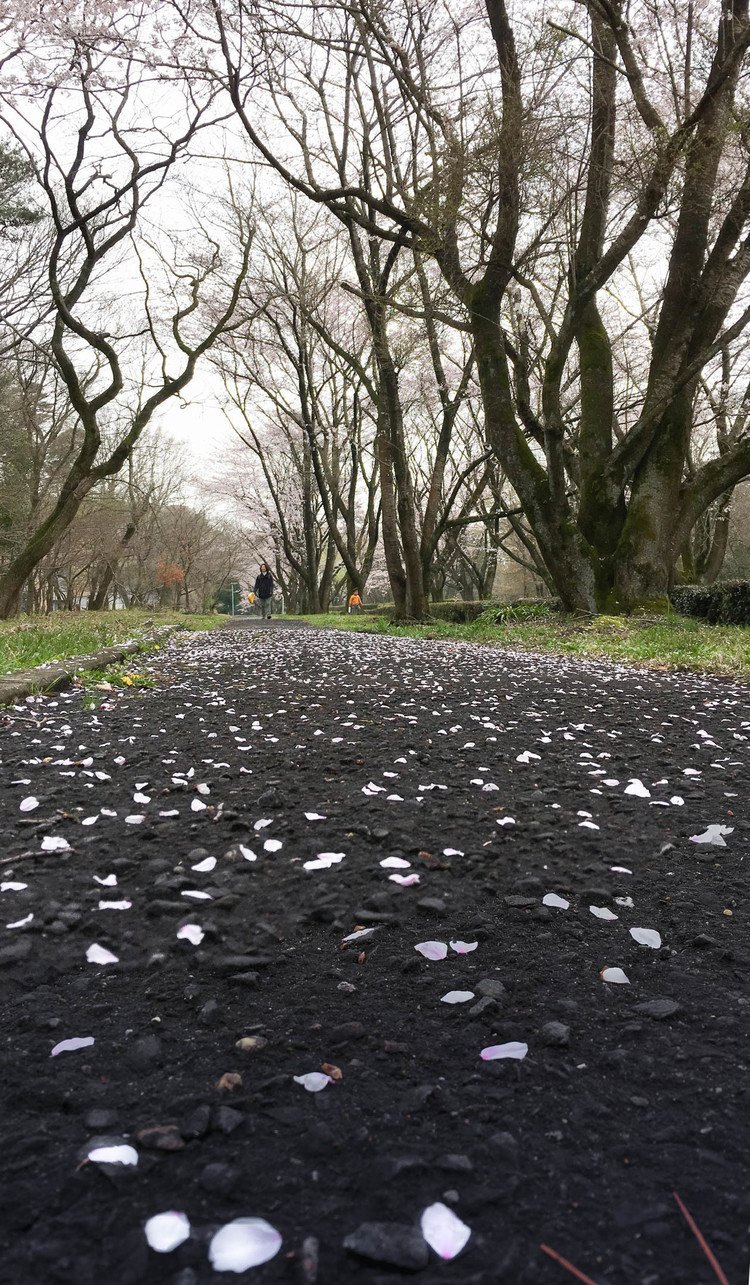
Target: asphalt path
{"x":416,"y":955}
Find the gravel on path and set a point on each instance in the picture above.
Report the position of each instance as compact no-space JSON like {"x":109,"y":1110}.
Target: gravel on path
{"x":417,"y":954}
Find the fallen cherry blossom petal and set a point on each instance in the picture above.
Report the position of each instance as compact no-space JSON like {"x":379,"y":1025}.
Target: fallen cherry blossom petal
{"x":208,"y":863}
{"x":70,"y":1046}
{"x":406,"y":881}
{"x":615,"y":976}
{"x":313,"y":1081}
{"x":638,"y":788}
{"x":97,"y":954}
{"x":247,"y":853}
{"x":21,"y":923}
{"x":115,"y":1155}
{"x":29,"y":804}
{"x":463,"y":947}
{"x":272,"y":845}
{"x":164,"y":1232}
{"x":646,"y":937}
{"x":361,"y":932}
{"x":432,"y":949}
{"x":109,"y":881}
{"x":456,"y":997}
{"x":513,"y":1049}
{"x":552,"y":899}
{"x":602,"y":912}
{"x":444,"y":1231}
{"x":115,"y":905}
{"x":713,"y":834}
{"x":242,"y":1244}
{"x":53,"y":843}
{"x":192,"y":933}
{"x":395,"y":863}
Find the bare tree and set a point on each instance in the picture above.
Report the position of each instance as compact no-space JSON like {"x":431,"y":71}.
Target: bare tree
{"x":102,"y":155}
{"x":447,"y":136}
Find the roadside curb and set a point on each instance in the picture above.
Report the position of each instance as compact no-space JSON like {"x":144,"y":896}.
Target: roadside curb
{"x":43,"y":679}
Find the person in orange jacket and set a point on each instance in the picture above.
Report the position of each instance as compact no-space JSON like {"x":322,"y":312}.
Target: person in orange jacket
{"x":355,"y":603}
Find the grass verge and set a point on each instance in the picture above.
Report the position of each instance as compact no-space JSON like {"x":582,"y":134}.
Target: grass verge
{"x":668,"y":642}
{"x":31,"y":640}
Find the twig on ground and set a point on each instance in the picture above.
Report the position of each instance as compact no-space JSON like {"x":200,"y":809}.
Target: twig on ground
{"x":695,"y":1229}
{"x":568,"y":1266}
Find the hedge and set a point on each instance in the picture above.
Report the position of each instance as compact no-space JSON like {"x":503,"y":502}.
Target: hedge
{"x":724,"y":603}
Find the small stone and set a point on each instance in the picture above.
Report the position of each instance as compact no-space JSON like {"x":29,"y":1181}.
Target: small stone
{"x":491,"y":987}
{"x":484,"y":1006}
{"x":161,"y":1137}
{"x":392,"y":1243}
{"x":703,"y":940}
{"x":209,"y":1014}
{"x":433,"y":906}
{"x":659,"y":1009}
{"x":347,"y":987}
{"x":555,"y":1034}
{"x":251,"y":1043}
{"x":455,"y":1164}
{"x":99,"y":1118}
{"x":505,"y":1145}
{"x":226,"y":1119}
{"x":196,"y":1124}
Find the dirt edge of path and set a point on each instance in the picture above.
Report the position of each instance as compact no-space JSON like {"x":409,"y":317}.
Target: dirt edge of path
{"x":53,"y":677}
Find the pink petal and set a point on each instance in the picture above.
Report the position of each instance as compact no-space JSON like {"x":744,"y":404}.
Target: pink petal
{"x":443,"y":1231}
{"x":242,"y":1244}
{"x":432,"y":949}
{"x":513,"y":1049}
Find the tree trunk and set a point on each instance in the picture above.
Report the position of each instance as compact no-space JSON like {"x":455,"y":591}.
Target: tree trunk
{"x":37,"y":547}
{"x":98,"y":599}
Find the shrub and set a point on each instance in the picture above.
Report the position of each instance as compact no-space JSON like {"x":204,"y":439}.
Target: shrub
{"x":724,"y":603}
{"x":457,"y":612}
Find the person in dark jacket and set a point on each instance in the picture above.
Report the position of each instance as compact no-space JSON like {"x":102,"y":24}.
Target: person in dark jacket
{"x":263,"y":589}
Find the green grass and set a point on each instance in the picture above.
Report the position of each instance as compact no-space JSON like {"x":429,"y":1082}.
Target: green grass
{"x":32,"y":640}
{"x":668,"y":642}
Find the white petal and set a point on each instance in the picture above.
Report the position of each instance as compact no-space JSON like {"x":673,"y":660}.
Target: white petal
{"x":141,"y":798}
{"x":109,"y":881}
{"x":53,"y":843}
{"x":513,"y":1049}
{"x":164,"y":1232}
{"x":209,"y":863}
{"x":646,"y":937}
{"x":260,"y":825}
{"x":116,"y":1155}
{"x":272,"y":845}
{"x":444,"y":1231}
{"x":247,"y":853}
{"x":69,"y":1046}
{"x":197,"y":806}
{"x":314,"y":816}
{"x":463,"y":947}
{"x":98,"y":955}
{"x":505,"y":821}
{"x":242,"y":1244}
{"x":361,"y":932}
{"x":395,"y":863}
{"x":406,"y":881}
{"x":135,"y":819}
{"x":638,"y":788}
{"x":192,"y":933}
{"x":196,"y":895}
{"x":432,"y":949}
{"x":602,"y":912}
{"x":21,"y":923}
{"x":615,"y":976}
{"x":313,"y":1081}
{"x":11,"y":886}
{"x":29,"y":804}
{"x":456,"y":997}
{"x":115,"y":905}
{"x":552,"y":899}
{"x":447,"y":852}
{"x":713,"y":834}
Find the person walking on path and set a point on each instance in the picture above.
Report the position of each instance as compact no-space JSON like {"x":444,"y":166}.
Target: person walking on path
{"x":355,"y":604}
{"x":263,"y":589}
